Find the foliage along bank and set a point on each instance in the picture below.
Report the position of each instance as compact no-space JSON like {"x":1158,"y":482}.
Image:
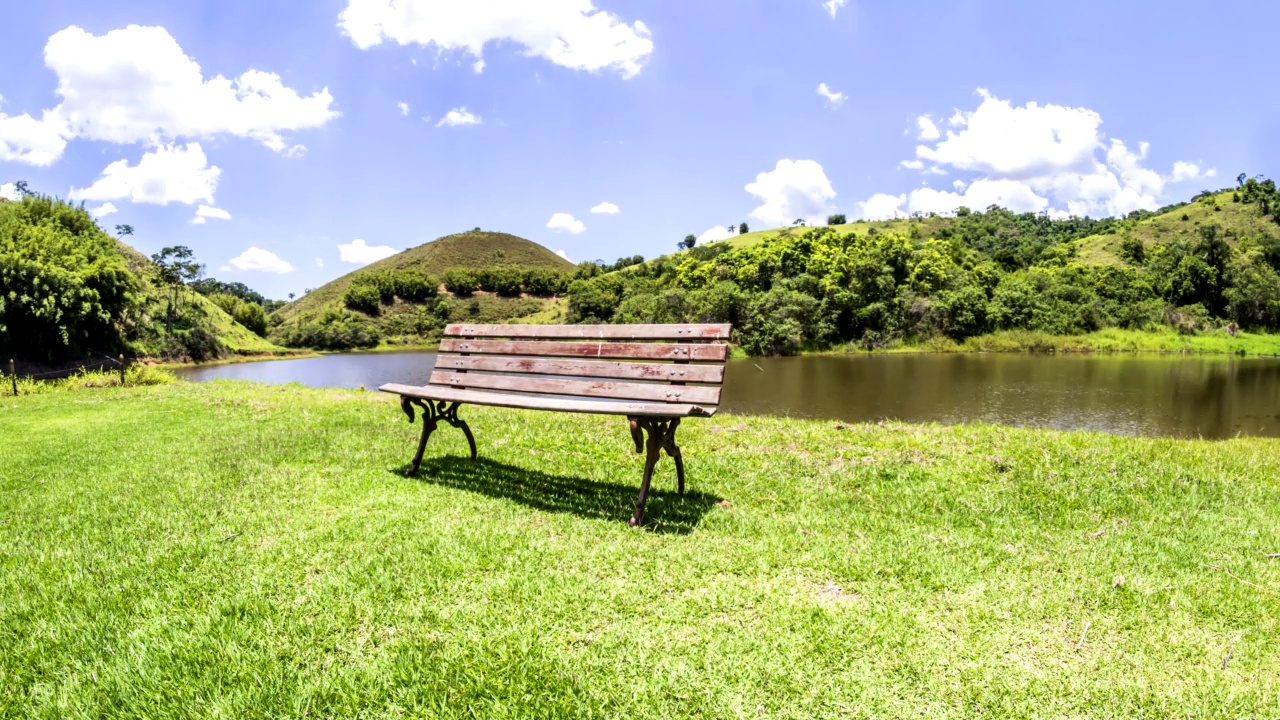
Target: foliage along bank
{"x":974,"y":274}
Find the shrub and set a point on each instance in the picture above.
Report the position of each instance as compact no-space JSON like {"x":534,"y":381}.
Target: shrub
{"x":334,"y":330}
{"x":462,"y":283}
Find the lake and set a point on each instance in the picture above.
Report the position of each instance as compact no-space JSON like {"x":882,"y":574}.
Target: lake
{"x":1210,"y":397}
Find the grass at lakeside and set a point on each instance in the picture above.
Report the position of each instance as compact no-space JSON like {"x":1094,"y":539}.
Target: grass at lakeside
{"x":1111,"y":340}
{"x":230,"y":550}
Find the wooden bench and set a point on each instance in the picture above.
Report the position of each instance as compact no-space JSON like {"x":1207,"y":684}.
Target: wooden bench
{"x":655,"y":375}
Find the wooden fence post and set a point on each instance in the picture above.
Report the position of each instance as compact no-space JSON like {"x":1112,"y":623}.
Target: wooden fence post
{"x":122,"y":370}
{"x":13,"y":374}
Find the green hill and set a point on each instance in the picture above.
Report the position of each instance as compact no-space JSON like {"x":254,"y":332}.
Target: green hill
{"x":73,"y":293}
{"x":322,"y":318}
{"x":1209,"y":265}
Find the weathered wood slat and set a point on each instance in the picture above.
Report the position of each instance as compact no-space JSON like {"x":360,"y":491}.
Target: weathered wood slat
{"x":534,"y":402}
{"x":592,"y":332}
{"x":657,"y":392}
{"x":714,"y":352}
{"x":668,"y":372}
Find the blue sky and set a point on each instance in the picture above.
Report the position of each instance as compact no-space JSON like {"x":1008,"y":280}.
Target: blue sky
{"x":276,"y":139}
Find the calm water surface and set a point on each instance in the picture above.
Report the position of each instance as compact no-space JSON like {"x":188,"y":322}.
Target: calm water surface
{"x":1198,"y":397}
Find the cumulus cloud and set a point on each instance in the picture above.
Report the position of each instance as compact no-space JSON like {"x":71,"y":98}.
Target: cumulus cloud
{"x":606,"y":208}
{"x":719,"y":232}
{"x":1030,"y":158}
{"x":9,"y":191}
{"x":165,"y":175}
{"x":459,"y":116}
{"x":137,"y":85}
{"x":834,"y":99}
{"x":926,"y":128}
{"x":103,"y":210}
{"x":205,"y":213}
{"x":404,"y":108}
{"x":357,"y":252}
{"x":564,"y":222}
{"x":833,"y":6}
{"x":570,"y":33}
{"x":1184,"y":171}
{"x":793,"y":189}
{"x":257,"y":259}
{"x":27,"y":140}
{"x":563,"y":254}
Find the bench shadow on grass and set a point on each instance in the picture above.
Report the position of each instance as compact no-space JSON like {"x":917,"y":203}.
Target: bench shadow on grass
{"x":665,"y":512}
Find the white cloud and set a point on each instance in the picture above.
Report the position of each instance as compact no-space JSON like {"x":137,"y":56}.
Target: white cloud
{"x":927,"y":129}
{"x":103,"y":210}
{"x":564,"y":222}
{"x":9,"y":191}
{"x":459,"y":116}
{"x":833,"y":6}
{"x":404,"y":108}
{"x":319,"y":262}
{"x":570,"y":33}
{"x":257,"y":259}
{"x":27,"y":140}
{"x":478,"y":66}
{"x":165,"y":175}
{"x":1184,"y":171}
{"x":719,"y":232}
{"x":834,"y":99}
{"x":882,"y":206}
{"x":793,"y":189}
{"x":205,"y":213}
{"x":137,"y":85}
{"x":1030,"y":158}
{"x":606,"y":208}
{"x":563,"y":254}
{"x":357,"y":252}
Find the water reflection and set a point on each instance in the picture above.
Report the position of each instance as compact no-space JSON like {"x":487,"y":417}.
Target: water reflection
{"x":1197,"y":397}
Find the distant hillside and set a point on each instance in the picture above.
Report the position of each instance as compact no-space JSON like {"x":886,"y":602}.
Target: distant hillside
{"x":75,"y":293}
{"x":322,"y":319}
{"x":1209,"y":265}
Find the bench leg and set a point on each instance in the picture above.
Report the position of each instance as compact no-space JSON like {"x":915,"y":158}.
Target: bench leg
{"x":432,"y":414}
{"x":659,"y":435}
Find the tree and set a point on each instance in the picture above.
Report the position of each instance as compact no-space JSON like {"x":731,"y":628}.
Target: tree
{"x":175,"y":267}
{"x":743,"y":229}
{"x":799,"y":222}
{"x":838,"y":219}
{"x":21,"y":188}
{"x":122,"y":230}
{"x":688,"y":242}
{"x":291,"y":296}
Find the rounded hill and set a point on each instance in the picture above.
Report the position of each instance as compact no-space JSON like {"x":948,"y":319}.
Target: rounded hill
{"x":474,"y":250}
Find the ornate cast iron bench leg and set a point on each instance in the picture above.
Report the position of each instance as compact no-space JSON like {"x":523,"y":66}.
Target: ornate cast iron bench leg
{"x":432,"y":413}
{"x":652,"y":436}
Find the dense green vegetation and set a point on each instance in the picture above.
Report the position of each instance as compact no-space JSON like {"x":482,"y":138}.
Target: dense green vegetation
{"x":70,"y":292}
{"x":960,"y":277}
{"x":485,"y":277}
{"x":252,"y":551}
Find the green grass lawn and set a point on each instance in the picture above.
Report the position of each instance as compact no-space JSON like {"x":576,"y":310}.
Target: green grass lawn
{"x":230,"y":550}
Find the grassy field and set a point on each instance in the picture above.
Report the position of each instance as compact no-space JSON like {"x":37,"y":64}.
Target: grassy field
{"x":1110,"y":340}
{"x":229,"y":550}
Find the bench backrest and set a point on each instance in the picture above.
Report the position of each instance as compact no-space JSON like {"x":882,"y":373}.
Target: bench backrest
{"x":654,"y":363}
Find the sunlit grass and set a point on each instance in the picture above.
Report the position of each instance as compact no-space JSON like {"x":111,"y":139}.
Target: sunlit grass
{"x":229,"y":550}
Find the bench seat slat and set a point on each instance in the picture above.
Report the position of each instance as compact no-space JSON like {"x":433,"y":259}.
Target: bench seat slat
{"x":669,"y":372}
{"x":592,"y":332}
{"x":657,"y":392}
{"x":715,"y":352}
{"x":534,"y":402}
